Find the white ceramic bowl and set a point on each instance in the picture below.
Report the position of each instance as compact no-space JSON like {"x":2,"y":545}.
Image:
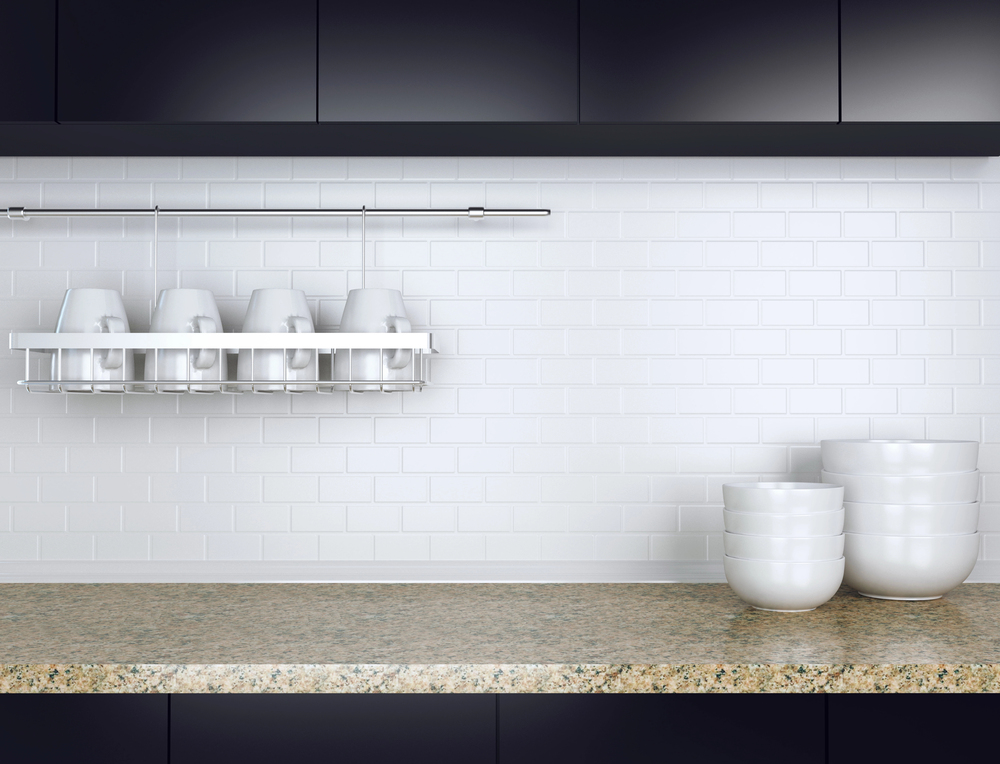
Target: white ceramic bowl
{"x":783,"y":498}
{"x":908,"y":567}
{"x":767,"y":524}
{"x":784,"y":586}
{"x":959,"y":488}
{"x":911,"y":519}
{"x":899,"y":457}
{"x":784,"y":548}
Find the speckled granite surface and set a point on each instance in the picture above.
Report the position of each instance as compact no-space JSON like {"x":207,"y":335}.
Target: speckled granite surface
{"x":486,"y":638}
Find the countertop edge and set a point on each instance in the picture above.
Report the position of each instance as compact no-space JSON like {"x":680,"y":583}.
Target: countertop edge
{"x":500,"y":678}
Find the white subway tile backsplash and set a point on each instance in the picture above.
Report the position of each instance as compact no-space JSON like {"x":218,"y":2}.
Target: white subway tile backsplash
{"x":601,"y":372}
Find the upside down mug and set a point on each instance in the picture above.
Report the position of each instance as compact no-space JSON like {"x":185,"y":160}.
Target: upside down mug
{"x":373,"y":311}
{"x":185,"y":311}
{"x":97,"y":311}
{"x":277,"y":310}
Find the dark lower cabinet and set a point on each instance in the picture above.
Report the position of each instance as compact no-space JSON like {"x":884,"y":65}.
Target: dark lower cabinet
{"x":493,"y":729}
{"x":444,"y":729}
{"x":914,"y":729}
{"x":771,"y":729}
{"x":111,"y":729}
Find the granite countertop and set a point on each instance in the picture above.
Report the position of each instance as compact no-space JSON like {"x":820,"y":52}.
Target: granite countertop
{"x":486,"y":638}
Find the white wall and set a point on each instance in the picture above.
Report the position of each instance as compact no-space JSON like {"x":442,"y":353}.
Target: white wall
{"x":675,"y":324}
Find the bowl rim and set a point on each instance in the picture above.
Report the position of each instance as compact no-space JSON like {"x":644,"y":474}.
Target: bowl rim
{"x":784,"y":514}
{"x":782,"y":486}
{"x":787,"y":562}
{"x":916,"y":538}
{"x":910,"y":507}
{"x":925,"y":476}
{"x":899,"y":441}
{"x":783,"y":538}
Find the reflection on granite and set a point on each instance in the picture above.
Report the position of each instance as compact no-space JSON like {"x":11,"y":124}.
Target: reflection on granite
{"x":486,"y":638}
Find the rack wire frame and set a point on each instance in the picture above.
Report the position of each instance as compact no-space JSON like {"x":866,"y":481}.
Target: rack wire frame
{"x":54,"y":345}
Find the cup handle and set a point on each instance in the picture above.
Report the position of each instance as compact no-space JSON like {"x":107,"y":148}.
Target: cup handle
{"x":400,"y":357}
{"x":300,"y":357}
{"x":206,"y":356}
{"x":113,"y":325}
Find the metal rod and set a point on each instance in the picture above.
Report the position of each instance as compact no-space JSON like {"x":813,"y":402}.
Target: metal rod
{"x":21,"y":213}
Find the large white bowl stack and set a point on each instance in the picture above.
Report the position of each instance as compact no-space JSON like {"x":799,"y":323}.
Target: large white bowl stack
{"x":911,"y":514}
{"x":784,"y":543}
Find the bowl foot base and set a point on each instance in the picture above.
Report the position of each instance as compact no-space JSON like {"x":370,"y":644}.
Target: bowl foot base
{"x":901,"y":599}
{"x":776,"y":610}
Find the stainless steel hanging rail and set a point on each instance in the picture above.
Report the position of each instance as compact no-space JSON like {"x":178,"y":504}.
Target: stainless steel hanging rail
{"x":21,"y":213}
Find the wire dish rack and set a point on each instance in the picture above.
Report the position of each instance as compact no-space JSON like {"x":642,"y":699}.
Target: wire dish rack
{"x":46,"y":351}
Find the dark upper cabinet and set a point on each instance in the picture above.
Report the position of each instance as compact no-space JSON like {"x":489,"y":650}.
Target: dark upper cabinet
{"x":448,"y":61}
{"x":708,"y":61}
{"x":921,"y":60}
{"x":187,"y":61}
{"x":28,"y":61}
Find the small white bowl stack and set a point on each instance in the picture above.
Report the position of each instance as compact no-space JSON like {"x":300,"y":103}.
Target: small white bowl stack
{"x":911,"y":514}
{"x":784,"y":543}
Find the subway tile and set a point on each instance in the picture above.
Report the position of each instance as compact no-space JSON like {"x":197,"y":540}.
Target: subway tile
{"x":842,"y":312}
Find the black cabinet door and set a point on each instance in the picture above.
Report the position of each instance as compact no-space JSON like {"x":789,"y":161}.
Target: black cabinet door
{"x":921,"y":60}
{"x":444,"y":729}
{"x":915,"y":729}
{"x":448,"y":61}
{"x":111,"y":729}
{"x":627,"y":729}
{"x":187,"y":61}
{"x":28,"y":60}
{"x":708,"y":61}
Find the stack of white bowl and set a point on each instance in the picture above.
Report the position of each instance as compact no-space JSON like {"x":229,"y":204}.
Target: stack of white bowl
{"x":784,"y":543}
{"x":910,"y":514}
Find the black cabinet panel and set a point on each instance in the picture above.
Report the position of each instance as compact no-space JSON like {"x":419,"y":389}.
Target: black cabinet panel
{"x":448,"y":61}
{"x":921,"y":60}
{"x":585,"y":729}
{"x":111,"y":729}
{"x":28,"y":60}
{"x":708,"y":61}
{"x":187,"y":61}
{"x":443,"y":729}
{"x":911,"y":728}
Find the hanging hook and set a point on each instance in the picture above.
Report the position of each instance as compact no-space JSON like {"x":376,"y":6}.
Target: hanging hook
{"x":156,"y":238}
{"x":363,"y":255}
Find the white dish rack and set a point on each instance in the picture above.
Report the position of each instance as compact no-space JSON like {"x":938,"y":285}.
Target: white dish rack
{"x":40,"y":347}
{"x":47,"y":348}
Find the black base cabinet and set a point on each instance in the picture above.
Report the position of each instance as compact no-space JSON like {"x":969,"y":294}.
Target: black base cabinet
{"x":494,"y":729}
{"x":252,"y":729}
{"x":913,"y":729}
{"x":635,"y":729}
{"x":111,"y":729}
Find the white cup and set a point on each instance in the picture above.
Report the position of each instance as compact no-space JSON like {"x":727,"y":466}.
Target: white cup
{"x":373,"y":311}
{"x":186,"y":311}
{"x":277,"y":310}
{"x":97,"y":311}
